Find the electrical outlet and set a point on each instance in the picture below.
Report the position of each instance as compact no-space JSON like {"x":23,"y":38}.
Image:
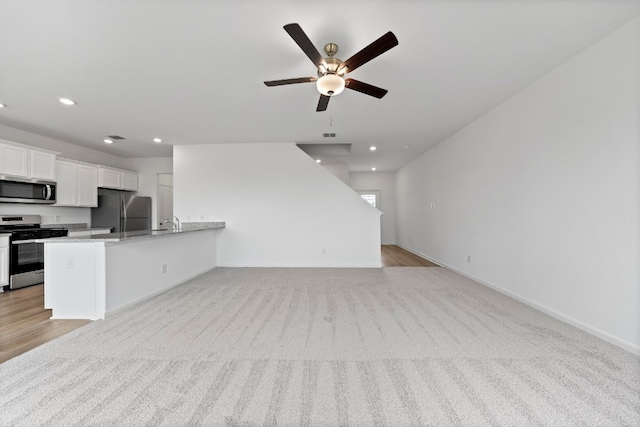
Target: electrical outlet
{"x":324,"y":251}
{"x":433,"y":205}
{"x":469,"y":258}
{"x":70,"y":262}
{"x":163,"y":268}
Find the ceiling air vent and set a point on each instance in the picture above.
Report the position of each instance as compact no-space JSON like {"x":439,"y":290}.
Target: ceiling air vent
{"x":329,"y":135}
{"x":114,"y":137}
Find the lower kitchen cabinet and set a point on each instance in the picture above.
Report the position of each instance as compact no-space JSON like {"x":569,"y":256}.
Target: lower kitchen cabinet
{"x":4,"y":261}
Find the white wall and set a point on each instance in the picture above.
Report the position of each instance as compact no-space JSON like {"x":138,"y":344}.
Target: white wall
{"x":385,"y":182}
{"x":134,"y":269}
{"x":544,"y":193}
{"x":340,"y":170}
{"x":280,"y":207}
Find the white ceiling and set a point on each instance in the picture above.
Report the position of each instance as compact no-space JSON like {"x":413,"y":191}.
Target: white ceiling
{"x":192,"y":71}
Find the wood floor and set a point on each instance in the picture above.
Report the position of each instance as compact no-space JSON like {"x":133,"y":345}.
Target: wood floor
{"x":394,"y":256}
{"x":25,"y":324}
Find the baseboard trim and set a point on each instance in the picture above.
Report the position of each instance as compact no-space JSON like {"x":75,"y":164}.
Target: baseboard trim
{"x":625,"y":345}
{"x":421,"y":255}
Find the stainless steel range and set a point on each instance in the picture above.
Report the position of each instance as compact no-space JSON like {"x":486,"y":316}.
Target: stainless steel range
{"x":26,"y":257}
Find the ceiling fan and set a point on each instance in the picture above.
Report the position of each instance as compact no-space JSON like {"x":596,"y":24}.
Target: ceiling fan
{"x":331,"y":79}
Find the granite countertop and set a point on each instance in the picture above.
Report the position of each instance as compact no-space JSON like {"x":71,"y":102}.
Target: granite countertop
{"x":136,"y":235}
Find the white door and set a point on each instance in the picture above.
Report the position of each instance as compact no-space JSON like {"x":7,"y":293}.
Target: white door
{"x":165,"y":197}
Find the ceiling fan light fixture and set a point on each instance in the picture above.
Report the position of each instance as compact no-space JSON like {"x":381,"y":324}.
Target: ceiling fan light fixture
{"x":330,"y":84}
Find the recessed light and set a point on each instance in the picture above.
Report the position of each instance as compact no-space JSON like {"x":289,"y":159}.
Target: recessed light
{"x":2,"y":105}
{"x":157,"y":140}
{"x":372,"y":148}
{"x":373,"y":169}
{"x":108,"y":141}
{"x":406,"y":147}
{"x":67,"y":101}
{"x":318,"y":161}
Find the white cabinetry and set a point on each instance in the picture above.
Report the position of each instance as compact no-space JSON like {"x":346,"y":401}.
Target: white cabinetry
{"x":78,"y":233}
{"x":4,"y":260}
{"x":14,"y":160}
{"x":66,"y":173}
{"x":77,"y":183}
{"x":87,"y":185}
{"x":117,"y":178}
{"x":25,"y":162}
{"x":129,"y":181}
{"x":109,"y":178}
{"x":43,"y":165}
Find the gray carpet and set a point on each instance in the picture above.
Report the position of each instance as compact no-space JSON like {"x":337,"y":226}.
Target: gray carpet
{"x":324,"y":347}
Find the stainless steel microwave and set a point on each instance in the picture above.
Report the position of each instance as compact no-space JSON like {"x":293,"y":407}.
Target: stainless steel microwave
{"x":16,"y":190}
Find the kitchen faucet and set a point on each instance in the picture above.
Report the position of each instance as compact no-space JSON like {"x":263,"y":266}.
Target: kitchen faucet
{"x":176,"y":224}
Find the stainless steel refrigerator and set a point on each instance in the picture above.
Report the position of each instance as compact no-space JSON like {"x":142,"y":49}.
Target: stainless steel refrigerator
{"x":122,"y":212}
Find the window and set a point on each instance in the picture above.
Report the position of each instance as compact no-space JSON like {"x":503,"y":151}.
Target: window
{"x":373,"y":197}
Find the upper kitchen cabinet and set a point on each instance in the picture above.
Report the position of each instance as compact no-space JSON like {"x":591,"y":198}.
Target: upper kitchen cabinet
{"x":117,"y":179}
{"x":14,"y":160}
{"x":109,"y":178}
{"x":129,"y":181}
{"x":87,"y":185}
{"x":43,"y":165}
{"x":77,"y":183}
{"x":26,"y":162}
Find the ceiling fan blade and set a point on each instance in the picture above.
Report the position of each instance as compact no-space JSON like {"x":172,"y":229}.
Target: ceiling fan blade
{"x":299,"y":36}
{"x":323,"y":102}
{"x":291,"y":81}
{"x":376,"y":48}
{"x":365,"y":88}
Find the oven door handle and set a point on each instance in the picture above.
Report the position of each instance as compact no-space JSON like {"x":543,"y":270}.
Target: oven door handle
{"x":22,"y":242}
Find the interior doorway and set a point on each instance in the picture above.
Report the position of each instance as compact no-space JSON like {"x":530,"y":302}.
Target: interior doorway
{"x":165,"y":197}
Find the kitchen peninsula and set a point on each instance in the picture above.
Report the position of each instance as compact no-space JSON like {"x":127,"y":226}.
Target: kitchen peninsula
{"x":88,"y":277}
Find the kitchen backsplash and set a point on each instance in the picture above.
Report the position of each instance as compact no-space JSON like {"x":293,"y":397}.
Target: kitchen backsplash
{"x":49,"y":214}
{"x":188,"y":226}
{"x":68,"y":226}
